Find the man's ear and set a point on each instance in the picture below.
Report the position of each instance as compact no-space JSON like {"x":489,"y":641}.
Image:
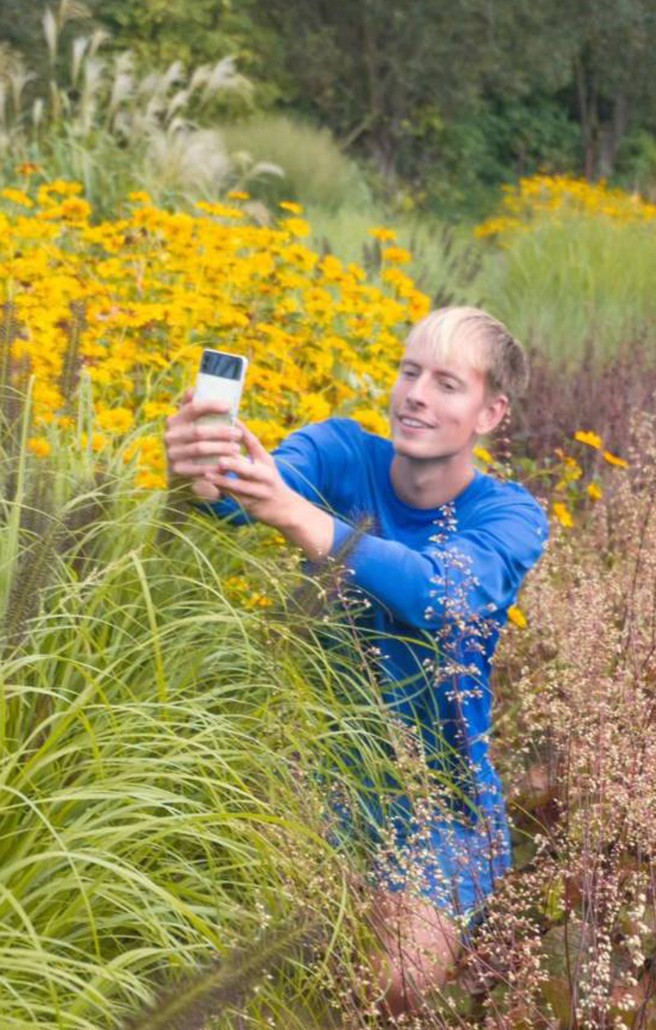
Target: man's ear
{"x":492,"y":414}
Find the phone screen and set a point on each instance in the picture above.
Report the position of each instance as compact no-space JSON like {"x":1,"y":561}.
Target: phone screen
{"x":216,"y":363}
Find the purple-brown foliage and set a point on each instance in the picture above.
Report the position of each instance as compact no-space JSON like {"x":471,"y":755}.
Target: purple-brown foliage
{"x":597,"y":395}
{"x":571,"y":940}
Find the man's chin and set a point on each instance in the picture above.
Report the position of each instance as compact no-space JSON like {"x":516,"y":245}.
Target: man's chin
{"x":414,"y":449}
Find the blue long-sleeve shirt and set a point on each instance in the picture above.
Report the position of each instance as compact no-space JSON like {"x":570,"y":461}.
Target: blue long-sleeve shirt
{"x":440,"y":582}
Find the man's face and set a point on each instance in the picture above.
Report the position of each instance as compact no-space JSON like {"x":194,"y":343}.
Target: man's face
{"x":437,"y":407}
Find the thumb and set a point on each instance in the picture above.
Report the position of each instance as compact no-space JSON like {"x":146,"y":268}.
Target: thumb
{"x":256,"y":450}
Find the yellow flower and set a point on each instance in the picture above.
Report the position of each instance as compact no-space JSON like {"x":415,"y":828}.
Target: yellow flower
{"x":98,"y":441}
{"x":483,"y":455}
{"x":563,"y":514}
{"x":75,"y":209}
{"x":313,"y":408}
{"x":516,"y":615}
{"x":382,"y":234}
{"x":372,"y":420}
{"x":17,"y":197}
{"x":297,"y":226}
{"x":289,"y":205}
{"x":258,"y":601}
{"x":147,"y":480}
{"x":219,"y":210}
{"x":594,"y":492}
{"x":612,"y":459}
{"x":39,"y":446}
{"x":397,"y":255}
{"x":589,"y":438}
{"x":139,"y":197}
{"x":115,"y":420}
{"x":158,"y":409}
{"x":238,"y":195}
{"x":63,"y":187}
{"x":153,"y":287}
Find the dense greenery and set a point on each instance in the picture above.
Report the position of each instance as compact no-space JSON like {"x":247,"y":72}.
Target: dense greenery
{"x":174,"y":728}
{"x":442,"y":102}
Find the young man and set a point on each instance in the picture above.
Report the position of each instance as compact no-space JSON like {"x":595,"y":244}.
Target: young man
{"x":447,"y":552}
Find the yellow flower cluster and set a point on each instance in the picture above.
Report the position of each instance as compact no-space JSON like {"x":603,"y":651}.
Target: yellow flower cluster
{"x":133,"y":301}
{"x":554,"y":195}
{"x":569,"y":490}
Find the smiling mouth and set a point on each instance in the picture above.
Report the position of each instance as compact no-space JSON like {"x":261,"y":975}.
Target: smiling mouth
{"x":413,"y":423}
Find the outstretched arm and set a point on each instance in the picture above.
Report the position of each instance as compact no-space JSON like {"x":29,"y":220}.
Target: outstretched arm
{"x":262,"y":492}
{"x":477,"y":572}
{"x":252,"y":481}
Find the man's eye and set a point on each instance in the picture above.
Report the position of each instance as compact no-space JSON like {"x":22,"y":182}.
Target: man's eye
{"x":447,"y":385}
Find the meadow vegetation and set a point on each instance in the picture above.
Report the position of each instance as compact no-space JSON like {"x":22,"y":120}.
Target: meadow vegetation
{"x":171,"y":718}
{"x":180,"y":702}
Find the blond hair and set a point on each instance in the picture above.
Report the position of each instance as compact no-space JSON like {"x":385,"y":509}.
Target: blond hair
{"x":490,"y":348}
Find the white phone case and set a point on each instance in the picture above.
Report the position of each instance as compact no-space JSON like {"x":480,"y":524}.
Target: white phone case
{"x":216,"y":387}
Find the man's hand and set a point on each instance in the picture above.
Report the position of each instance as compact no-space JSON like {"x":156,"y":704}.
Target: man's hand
{"x":187,"y":440}
{"x":263,"y":493}
{"x":255,"y":481}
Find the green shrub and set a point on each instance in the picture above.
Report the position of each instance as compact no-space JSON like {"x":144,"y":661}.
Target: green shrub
{"x":316,"y":172}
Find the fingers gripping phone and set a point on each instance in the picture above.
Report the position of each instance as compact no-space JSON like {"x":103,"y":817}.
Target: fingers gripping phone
{"x":221,"y":378}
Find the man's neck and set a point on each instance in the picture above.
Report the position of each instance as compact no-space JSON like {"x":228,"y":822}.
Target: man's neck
{"x":428,"y":484}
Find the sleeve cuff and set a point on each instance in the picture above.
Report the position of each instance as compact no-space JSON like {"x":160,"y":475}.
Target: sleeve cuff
{"x":342,"y":535}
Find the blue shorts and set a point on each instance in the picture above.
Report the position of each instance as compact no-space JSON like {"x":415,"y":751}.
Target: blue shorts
{"x":446,"y":860}
{"x":452,"y":864}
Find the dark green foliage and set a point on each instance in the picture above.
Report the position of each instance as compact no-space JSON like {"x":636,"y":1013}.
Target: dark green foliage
{"x":442,"y":102}
{"x":163,"y":31}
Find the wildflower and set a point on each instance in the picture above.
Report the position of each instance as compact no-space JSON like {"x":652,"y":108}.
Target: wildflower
{"x":594,"y":491}
{"x":383,"y":235}
{"x":613,"y":459}
{"x":483,"y":455}
{"x":293,"y":208}
{"x":98,"y":441}
{"x":158,"y":409}
{"x":563,"y":514}
{"x":139,"y":197}
{"x":297,"y":226}
{"x":27,"y":168}
{"x":238,"y":195}
{"x":516,"y":616}
{"x":258,"y":601}
{"x":75,"y":209}
{"x":115,"y":420}
{"x":397,"y":255}
{"x":219,"y":210}
{"x":63,"y":188}
{"x":314,"y":408}
{"x":147,"y":480}
{"x":39,"y":446}
{"x":589,"y":438}
{"x":372,"y":420}
{"x":17,"y":197}
{"x":151,"y":289}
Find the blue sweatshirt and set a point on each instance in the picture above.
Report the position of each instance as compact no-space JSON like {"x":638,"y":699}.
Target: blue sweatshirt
{"x":440,"y":581}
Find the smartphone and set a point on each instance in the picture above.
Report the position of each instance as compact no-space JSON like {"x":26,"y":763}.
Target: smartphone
{"x":220,"y":377}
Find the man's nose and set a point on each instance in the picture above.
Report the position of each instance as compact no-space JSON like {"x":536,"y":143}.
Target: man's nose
{"x":417,"y":392}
